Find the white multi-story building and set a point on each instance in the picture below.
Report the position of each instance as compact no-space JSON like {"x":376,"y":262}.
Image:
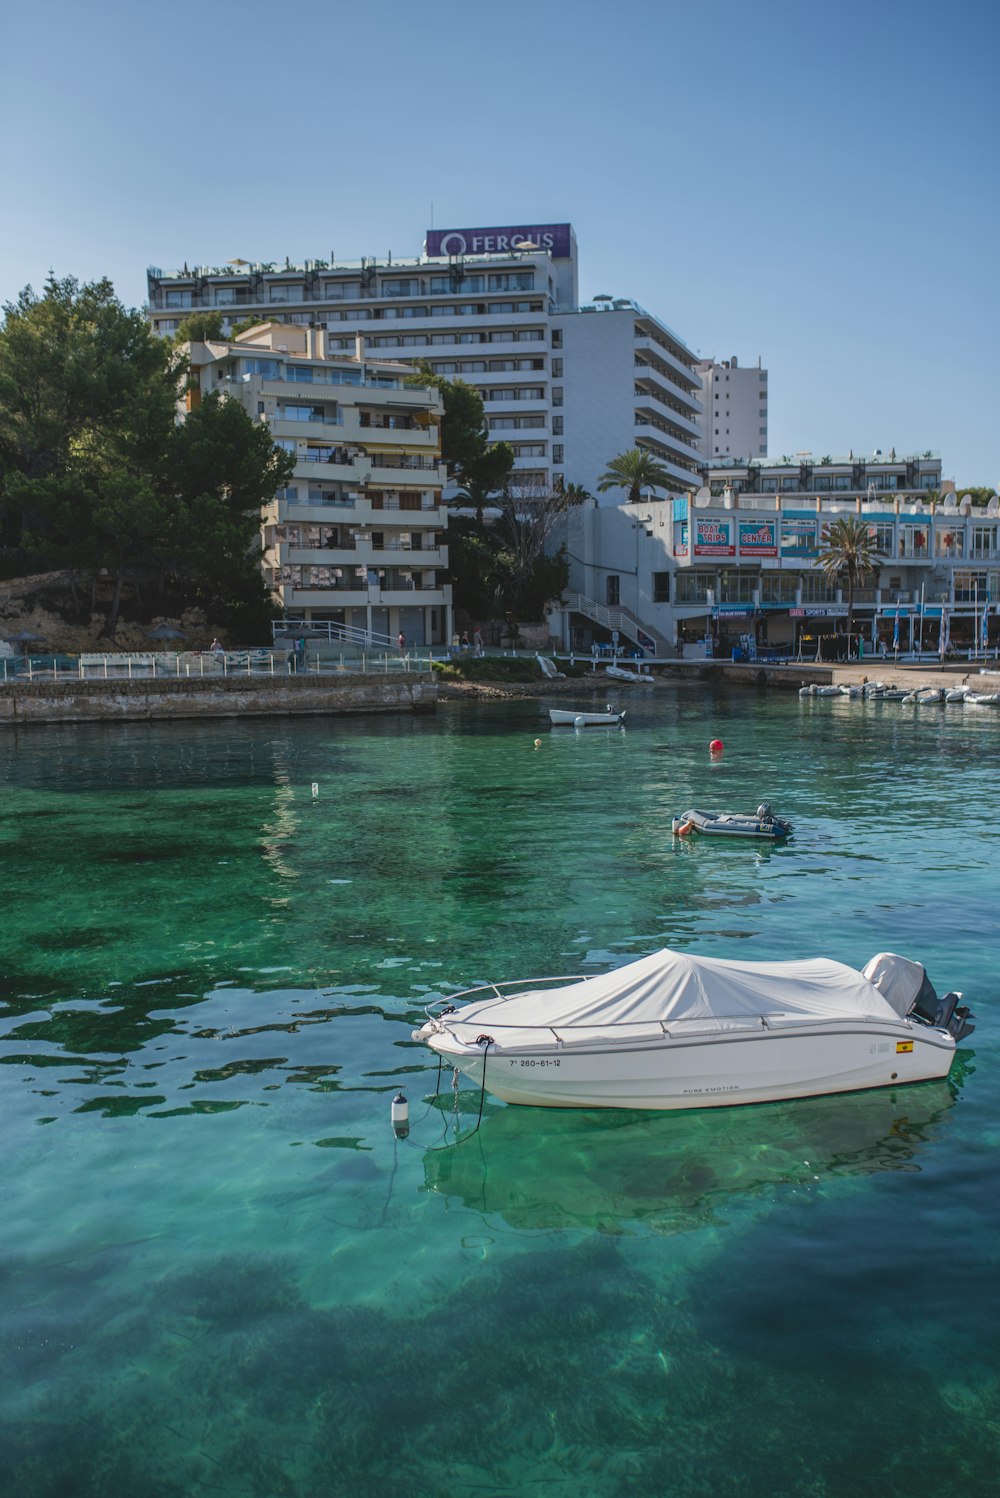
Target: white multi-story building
{"x":735,"y":402}
{"x":569,"y":387}
{"x":357,"y":538}
{"x":737,"y":560}
{"x":625,"y":380}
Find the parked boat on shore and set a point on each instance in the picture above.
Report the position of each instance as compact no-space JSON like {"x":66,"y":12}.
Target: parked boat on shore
{"x":619,"y":673}
{"x":674,"y":1030}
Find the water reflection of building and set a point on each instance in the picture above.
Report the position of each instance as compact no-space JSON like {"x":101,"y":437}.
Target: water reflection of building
{"x":668,"y":1172}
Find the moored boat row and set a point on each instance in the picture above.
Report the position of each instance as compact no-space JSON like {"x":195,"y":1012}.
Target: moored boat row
{"x":920,"y":696}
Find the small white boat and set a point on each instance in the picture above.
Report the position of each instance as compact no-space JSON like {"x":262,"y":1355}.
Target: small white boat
{"x":928,"y":695}
{"x":763,"y":823}
{"x":957,"y":694}
{"x":678,"y":1031}
{"x":575,"y":718}
{"x":550,"y":669}
{"x":983,"y":699}
{"x":619,"y":673}
{"x":828,"y":692}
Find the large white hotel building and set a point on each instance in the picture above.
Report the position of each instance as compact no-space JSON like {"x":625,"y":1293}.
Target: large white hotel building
{"x":569,"y":386}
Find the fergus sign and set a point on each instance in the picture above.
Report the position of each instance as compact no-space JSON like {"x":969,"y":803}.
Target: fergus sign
{"x":552,"y":237}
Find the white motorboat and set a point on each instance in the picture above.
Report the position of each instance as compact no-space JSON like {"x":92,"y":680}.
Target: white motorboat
{"x":762,"y":823}
{"x":678,"y":1031}
{"x":576,"y":718}
{"x":983,"y":699}
{"x":619,"y":673}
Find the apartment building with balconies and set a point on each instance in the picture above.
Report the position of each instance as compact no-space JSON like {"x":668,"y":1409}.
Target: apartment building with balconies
{"x":567,"y":386}
{"x":358,"y":536}
{"x":628,"y":381}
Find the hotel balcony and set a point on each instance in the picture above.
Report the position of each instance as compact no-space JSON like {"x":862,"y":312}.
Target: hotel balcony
{"x":654,"y":354}
{"x":650,"y":431}
{"x":653,"y":403}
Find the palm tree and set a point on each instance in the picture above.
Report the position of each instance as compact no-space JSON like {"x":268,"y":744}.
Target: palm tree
{"x":634,"y":471}
{"x":849,"y":553}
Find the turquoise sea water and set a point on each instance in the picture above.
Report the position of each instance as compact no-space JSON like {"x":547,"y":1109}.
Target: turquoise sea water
{"x":219,"y":1272}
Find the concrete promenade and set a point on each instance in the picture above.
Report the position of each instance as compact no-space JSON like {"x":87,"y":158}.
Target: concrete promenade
{"x":166,"y":698}
{"x":795,"y":674}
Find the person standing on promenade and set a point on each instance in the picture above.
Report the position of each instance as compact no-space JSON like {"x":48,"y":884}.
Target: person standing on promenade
{"x":477,"y":640}
{"x":401,"y":640}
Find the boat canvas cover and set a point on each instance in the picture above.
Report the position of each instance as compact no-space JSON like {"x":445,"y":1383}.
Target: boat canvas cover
{"x":897,"y":979}
{"x":637,"y":1000}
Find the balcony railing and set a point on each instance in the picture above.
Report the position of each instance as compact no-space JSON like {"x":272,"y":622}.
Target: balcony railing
{"x":403,"y":460}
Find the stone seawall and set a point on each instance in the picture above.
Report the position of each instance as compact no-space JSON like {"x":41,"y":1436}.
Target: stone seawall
{"x":232,"y":697}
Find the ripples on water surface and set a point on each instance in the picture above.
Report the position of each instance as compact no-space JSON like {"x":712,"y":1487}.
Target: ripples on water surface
{"x":221,"y":1275}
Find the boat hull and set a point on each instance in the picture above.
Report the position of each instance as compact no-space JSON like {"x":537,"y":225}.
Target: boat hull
{"x":708,"y":1071}
{"x":560,"y":718}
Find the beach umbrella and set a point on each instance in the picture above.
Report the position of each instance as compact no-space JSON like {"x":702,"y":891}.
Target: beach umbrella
{"x":166,"y":632}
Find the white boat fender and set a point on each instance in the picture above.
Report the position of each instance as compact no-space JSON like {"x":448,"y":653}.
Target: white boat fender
{"x":400,"y":1113}
{"x":580,"y":722}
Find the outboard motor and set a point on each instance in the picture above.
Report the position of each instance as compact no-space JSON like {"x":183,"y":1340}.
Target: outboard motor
{"x":943,"y":1014}
{"x":764,"y":813}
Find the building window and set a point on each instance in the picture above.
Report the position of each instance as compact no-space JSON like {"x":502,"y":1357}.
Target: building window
{"x":613,"y":585}
{"x":177,"y":299}
{"x":557,"y":426}
{"x":557,"y":452}
{"x":661,"y":587}
{"x":557,"y":395}
{"x":557,"y":338}
{"x":762,"y":431}
{"x":557,"y":369}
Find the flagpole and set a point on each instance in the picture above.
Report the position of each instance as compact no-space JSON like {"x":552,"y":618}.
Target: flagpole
{"x":921,"y":647}
{"x":975,"y":627}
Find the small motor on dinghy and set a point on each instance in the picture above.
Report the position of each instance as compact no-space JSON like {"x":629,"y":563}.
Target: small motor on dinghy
{"x":762,"y":823}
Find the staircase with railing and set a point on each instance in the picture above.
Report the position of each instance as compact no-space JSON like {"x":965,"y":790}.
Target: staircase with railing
{"x":625,"y":622}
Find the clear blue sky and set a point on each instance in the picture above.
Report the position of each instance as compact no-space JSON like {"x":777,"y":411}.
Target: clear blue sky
{"x":816,"y":184}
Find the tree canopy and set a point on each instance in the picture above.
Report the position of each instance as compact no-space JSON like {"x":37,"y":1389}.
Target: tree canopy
{"x":634,"y":471}
{"x":97,"y":475}
{"x":848,"y":554}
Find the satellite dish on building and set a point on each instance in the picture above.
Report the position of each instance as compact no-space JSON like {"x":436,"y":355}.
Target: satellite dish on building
{"x":704,"y":494}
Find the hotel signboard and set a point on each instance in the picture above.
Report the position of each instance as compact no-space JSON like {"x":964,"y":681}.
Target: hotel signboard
{"x":714,"y":538}
{"x":758,"y":538}
{"x":552,"y":237}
